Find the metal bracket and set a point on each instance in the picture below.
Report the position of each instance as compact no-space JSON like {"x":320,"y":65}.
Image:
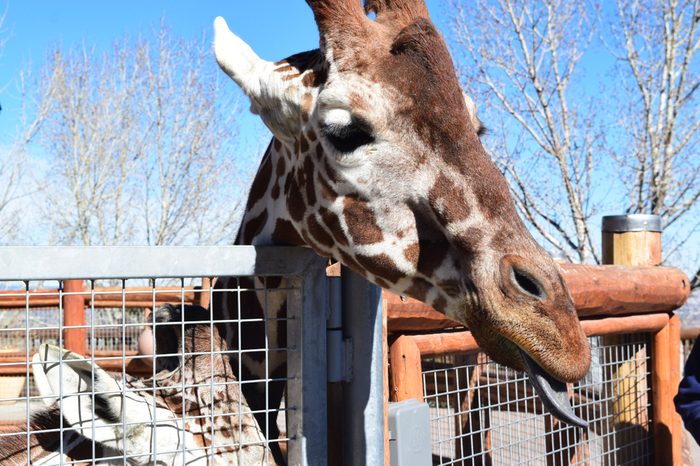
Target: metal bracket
{"x":339,"y":355}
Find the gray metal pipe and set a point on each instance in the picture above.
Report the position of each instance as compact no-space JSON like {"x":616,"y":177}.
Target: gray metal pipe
{"x":363,"y":394}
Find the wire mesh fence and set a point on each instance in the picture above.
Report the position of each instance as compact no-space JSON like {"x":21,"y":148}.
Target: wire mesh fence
{"x":170,"y":380}
{"x":484,"y":413}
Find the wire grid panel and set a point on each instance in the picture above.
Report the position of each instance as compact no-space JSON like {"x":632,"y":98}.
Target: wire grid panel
{"x":158,"y":379}
{"x":485,"y":413}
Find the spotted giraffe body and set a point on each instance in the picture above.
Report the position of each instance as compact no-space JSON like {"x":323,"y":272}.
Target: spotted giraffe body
{"x":376,"y":162}
{"x":191,"y":413}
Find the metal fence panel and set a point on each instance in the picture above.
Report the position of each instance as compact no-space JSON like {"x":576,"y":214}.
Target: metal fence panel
{"x":182,"y":406}
{"x":484,"y":413}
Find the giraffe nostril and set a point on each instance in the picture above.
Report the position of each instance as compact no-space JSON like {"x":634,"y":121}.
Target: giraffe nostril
{"x":527,"y":284}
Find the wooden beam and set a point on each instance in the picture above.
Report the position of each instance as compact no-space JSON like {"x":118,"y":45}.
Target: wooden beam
{"x":597,"y":290}
{"x":620,"y":325}
{"x":108,"y":297}
{"x":622,"y":290}
{"x":408,"y":314}
{"x":437,"y":344}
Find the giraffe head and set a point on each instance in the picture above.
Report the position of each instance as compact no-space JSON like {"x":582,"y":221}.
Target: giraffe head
{"x":191,"y":413}
{"x":377,"y":162}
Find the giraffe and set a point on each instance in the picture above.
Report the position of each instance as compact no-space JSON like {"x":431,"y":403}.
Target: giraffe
{"x":191,"y":413}
{"x":376,"y":162}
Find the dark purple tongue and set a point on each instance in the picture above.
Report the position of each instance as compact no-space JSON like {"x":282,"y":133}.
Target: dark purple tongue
{"x":552,"y":392}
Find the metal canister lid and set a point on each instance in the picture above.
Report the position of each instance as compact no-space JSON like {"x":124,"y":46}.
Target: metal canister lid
{"x":631,"y":222}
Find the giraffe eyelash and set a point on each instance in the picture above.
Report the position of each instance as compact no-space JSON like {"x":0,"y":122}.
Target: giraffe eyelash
{"x":347,"y":138}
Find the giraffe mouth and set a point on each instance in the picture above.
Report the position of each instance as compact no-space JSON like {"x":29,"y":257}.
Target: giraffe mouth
{"x":552,"y":392}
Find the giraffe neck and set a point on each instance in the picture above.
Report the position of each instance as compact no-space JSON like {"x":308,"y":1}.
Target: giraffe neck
{"x":277,"y":202}
{"x":214,"y":411}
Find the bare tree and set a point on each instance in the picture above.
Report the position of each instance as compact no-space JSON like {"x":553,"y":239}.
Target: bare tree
{"x":656,"y":44}
{"x":560,"y":146}
{"x":522,"y":56}
{"x":141,"y":141}
{"x":187,"y":168}
{"x":15,"y":183}
{"x":3,"y":33}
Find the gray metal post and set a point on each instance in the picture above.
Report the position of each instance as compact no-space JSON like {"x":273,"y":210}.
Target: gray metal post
{"x":363,"y":395}
{"x":306,"y":390}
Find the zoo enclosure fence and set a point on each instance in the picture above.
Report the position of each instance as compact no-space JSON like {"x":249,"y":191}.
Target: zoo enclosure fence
{"x":88,"y":314}
{"x":482,"y":413}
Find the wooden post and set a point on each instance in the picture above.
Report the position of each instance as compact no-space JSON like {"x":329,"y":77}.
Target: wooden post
{"x":385,"y":361}
{"x":636,"y":240}
{"x":674,"y":347}
{"x":202,"y":295}
{"x":74,"y":339}
{"x":406,"y":380}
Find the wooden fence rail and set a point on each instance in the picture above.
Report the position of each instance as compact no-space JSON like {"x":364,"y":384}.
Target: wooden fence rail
{"x":597,"y":291}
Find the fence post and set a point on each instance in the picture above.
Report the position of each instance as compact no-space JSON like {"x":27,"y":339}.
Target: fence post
{"x":363,"y":410}
{"x":636,"y":240}
{"x":74,"y":339}
{"x":307,"y":369}
{"x":405,"y":380}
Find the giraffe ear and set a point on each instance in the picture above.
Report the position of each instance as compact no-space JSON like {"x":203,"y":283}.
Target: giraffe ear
{"x":473,"y":116}
{"x":276,"y":100}
{"x":65,"y":377}
{"x":403,"y":11}
{"x":94,"y":404}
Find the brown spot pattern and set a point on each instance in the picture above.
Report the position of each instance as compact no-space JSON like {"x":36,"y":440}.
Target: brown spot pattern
{"x":326,"y":190}
{"x":431,"y":256}
{"x":440,"y":303}
{"x":382,"y":283}
{"x":254,"y":226}
{"x":445,"y":201}
{"x":309,"y":181}
{"x":419,"y":289}
{"x":332,"y":222}
{"x":311,"y":242}
{"x":303,"y":144}
{"x":281,"y":166}
{"x":261,"y":182}
{"x":285,"y":233}
{"x":295,"y":204}
{"x":275,"y":193}
{"x":361,"y":222}
{"x":349,"y":261}
{"x":330,"y":172}
{"x":380,"y":265}
{"x":412,"y":253}
{"x":319,"y":233}
{"x":288,"y":184}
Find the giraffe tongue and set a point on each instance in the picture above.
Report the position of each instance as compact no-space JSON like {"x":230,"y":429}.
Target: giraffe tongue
{"x":552,"y":392}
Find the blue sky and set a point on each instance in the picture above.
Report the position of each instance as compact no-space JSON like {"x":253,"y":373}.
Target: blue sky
{"x":274,"y":28}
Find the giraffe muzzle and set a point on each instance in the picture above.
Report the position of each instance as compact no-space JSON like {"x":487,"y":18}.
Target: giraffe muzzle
{"x":552,"y":392}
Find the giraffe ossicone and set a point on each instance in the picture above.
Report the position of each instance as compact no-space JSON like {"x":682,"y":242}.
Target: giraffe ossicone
{"x":376,"y":162}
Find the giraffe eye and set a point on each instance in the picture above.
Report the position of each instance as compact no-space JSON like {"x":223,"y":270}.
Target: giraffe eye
{"x":346,"y":138}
